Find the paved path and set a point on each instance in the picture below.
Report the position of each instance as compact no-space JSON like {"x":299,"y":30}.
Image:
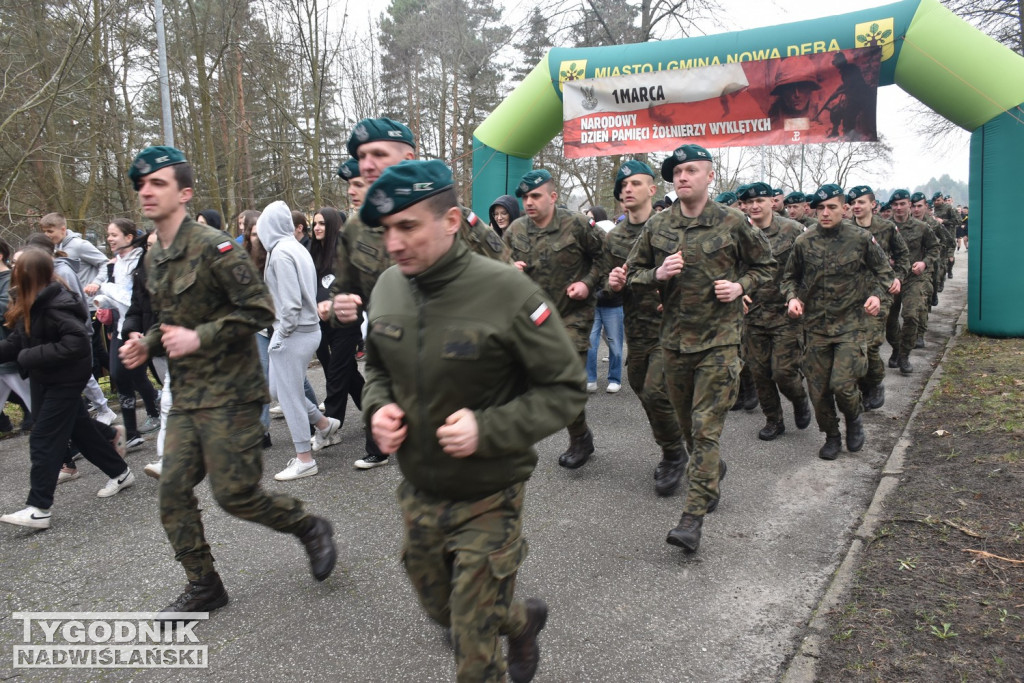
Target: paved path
{"x":625,"y":606}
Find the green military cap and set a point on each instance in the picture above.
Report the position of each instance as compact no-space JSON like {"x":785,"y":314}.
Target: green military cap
{"x":532,"y":180}
{"x":884,"y":207}
{"x":745,"y":192}
{"x":918,"y":197}
{"x":348,"y":169}
{"x":826,"y":192}
{"x":153,"y":159}
{"x":794,"y":198}
{"x":898,"y":195}
{"x":371,"y":130}
{"x":858,"y":191}
{"x":727,"y":198}
{"x":680,"y":156}
{"x":777,"y":192}
{"x":630,"y":168}
{"x":937,"y":195}
{"x":402,"y":185}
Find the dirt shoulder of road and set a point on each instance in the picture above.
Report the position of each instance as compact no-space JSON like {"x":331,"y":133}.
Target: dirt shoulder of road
{"x":938,"y":587}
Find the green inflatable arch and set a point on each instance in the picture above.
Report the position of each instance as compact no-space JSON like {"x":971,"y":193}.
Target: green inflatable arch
{"x":928,"y":51}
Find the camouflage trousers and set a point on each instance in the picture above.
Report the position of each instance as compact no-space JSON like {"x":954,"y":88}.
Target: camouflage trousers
{"x":893,"y":329}
{"x":578,"y":427}
{"x":645,"y":369}
{"x":876,"y":334}
{"x":225,"y":443}
{"x":462,"y":558}
{"x":917,"y":294}
{"x":702,"y":386}
{"x":833,"y":367}
{"x":773,"y":355}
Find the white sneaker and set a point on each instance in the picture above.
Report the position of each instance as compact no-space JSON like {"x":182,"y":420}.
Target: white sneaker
{"x":322,"y":407}
{"x":134,"y":442}
{"x":591,"y":387}
{"x":106,"y":416}
{"x":154,"y":469}
{"x":613,"y":387}
{"x":297,"y":469}
{"x":116,"y":484}
{"x":329,"y":436}
{"x":371,"y":461}
{"x":31,"y":517}
{"x":277,"y":412}
{"x":68,"y":476}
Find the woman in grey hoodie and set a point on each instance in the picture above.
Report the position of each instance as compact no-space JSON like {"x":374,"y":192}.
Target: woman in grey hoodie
{"x":291,"y":279}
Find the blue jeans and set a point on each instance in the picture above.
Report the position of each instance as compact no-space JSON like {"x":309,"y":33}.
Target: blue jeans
{"x":611,"y":319}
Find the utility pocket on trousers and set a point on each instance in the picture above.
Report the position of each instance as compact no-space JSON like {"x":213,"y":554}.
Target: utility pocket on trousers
{"x":505,"y":562}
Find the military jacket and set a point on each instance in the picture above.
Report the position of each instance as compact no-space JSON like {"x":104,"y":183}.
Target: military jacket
{"x":888,"y":237}
{"x":769,"y":306}
{"x":205,"y":282}
{"x":470,"y":333}
{"x":942,"y":232}
{"x":922,"y":244}
{"x":640,"y":302}
{"x":719,"y":244}
{"x":949,"y":216}
{"x":808,"y":221}
{"x":833,"y":272}
{"x":570,"y":249}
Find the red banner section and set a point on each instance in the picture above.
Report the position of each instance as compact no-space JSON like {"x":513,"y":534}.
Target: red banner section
{"x":824,"y":97}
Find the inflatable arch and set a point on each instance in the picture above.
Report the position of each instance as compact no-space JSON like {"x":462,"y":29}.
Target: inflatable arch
{"x":950,"y":66}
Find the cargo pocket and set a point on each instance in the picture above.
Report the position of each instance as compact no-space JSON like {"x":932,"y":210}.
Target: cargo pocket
{"x":506,"y":561}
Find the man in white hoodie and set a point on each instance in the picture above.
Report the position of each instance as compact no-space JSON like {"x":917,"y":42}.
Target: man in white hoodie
{"x":291,"y":278}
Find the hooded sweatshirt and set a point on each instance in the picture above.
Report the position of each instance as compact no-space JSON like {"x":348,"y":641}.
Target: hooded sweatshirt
{"x":289,"y":273}
{"x":93,"y":262}
{"x":510,"y":204}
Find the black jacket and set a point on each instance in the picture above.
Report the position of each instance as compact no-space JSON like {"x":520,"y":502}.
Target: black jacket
{"x":139,"y":317}
{"x":58,"y":352}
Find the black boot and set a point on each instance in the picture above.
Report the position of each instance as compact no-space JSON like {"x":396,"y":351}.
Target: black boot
{"x":202,"y":595}
{"x":670,"y":470}
{"x":894,"y":360}
{"x":949,"y":271}
{"x":5,"y":423}
{"x":713,"y":505}
{"x":748,"y":390}
{"x":579,"y":452}
{"x":935,"y":297}
{"x":875,"y":397}
{"x":802,"y":413}
{"x":772,"y":429}
{"x":320,"y":548}
{"x":904,"y":362}
{"x":686,"y":535}
{"x":523,"y":650}
{"x":830,"y":451}
{"x":919,"y":344}
{"x":854,"y":434}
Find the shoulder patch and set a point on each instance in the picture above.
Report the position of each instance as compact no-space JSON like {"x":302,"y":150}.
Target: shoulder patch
{"x":540,"y":315}
{"x":494,"y":242}
{"x":472,"y":219}
{"x":592,"y":222}
{"x":242,"y":273}
{"x":225,"y":247}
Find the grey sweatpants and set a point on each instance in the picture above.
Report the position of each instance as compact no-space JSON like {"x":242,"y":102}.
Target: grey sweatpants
{"x":289,"y":358}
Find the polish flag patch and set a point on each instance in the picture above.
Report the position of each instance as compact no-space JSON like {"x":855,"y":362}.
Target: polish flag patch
{"x":225,"y":247}
{"x":540,"y":315}
{"x":472,"y":219}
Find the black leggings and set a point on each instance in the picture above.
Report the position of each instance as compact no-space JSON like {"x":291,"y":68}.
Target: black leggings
{"x":128,"y":382}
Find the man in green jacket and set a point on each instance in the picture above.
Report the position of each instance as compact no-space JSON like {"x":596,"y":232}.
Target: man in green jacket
{"x":467,"y":366}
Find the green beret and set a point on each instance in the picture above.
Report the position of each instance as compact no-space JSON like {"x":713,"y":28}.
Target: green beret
{"x":937,"y":195}
{"x":402,"y":185}
{"x":348,"y":170}
{"x":918,"y":197}
{"x":680,"y":156}
{"x":777,"y":192}
{"x":826,"y":192}
{"x":794,"y":198}
{"x":884,"y":207}
{"x":532,"y":180}
{"x":153,"y":159}
{"x":631,"y":167}
{"x":727,"y":198}
{"x":858,"y":191}
{"x":899,"y":194}
{"x":746,"y":192}
{"x":371,"y":130}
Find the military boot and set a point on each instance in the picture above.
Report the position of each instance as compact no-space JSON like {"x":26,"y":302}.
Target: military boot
{"x":320,"y":548}
{"x":949,"y":271}
{"x":904,"y":362}
{"x":830,"y":451}
{"x":854,"y":434}
{"x":579,"y":451}
{"x":894,"y":359}
{"x":772,"y":429}
{"x":920,"y":342}
{"x":202,"y":595}
{"x":747,"y":397}
{"x":523,"y":650}
{"x":670,"y":470}
{"x":802,"y":413}
{"x":875,"y":397}
{"x":686,"y":535}
{"x":935,"y":297}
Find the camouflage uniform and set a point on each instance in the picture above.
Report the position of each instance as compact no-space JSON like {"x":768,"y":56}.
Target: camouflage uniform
{"x":488,"y":337}
{"x":568,"y":250}
{"x":887,"y":236}
{"x":917,"y":289}
{"x":950,"y":218}
{"x":833,"y":272}
{"x":204,"y":282}
{"x":947,"y":243}
{"x":774,"y":341}
{"x":700,"y":335}
{"x":645,"y":364}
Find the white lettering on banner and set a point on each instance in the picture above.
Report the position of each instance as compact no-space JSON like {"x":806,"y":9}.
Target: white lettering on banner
{"x":596,"y":122}
{"x":593,"y":136}
{"x":631,"y":134}
{"x":683,"y":130}
{"x":740,"y":127}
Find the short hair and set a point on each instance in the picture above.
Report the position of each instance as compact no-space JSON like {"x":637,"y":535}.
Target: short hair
{"x":39,"y":241}
{"x":299,"y":218}
{"x":52,"y":220}
{"x":184,"y":175}
{"x":440,"y":203}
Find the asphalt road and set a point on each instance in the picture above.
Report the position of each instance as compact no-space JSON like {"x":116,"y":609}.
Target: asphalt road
{"x":625,"y":606}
